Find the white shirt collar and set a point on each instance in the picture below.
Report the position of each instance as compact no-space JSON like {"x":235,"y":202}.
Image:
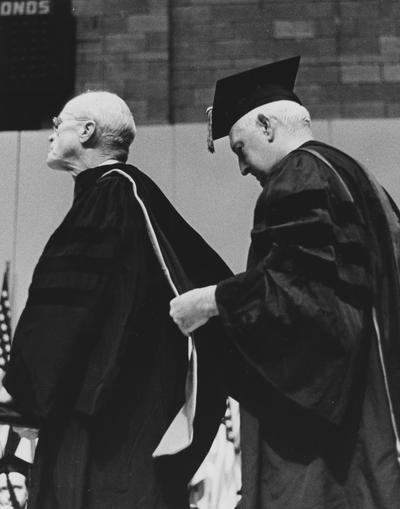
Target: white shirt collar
{"x":110,"y":161}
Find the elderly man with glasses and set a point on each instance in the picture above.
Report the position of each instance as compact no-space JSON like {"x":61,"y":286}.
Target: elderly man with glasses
{"x":96,"y":359}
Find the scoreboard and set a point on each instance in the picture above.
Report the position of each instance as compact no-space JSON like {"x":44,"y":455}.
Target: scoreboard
{"x":37,"y":56}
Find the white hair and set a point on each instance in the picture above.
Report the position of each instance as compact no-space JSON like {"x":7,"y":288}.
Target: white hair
{"x":115,"y":125}
{"x":291,"y":115}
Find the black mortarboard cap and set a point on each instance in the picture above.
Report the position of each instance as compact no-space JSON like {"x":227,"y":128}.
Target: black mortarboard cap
{"x":11,"y":463}
{"x":240,"y":93}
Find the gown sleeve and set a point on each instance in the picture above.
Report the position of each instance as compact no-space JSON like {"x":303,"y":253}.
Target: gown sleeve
{"x":71,"y":295}
{"x":296,"y":316}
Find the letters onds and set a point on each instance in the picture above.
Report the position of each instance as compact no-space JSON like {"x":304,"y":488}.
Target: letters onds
{"x":25,"y":8}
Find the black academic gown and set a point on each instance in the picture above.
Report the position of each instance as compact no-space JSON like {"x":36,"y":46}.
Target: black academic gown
{"x":97,"y":359}
{"x":317,"y":431}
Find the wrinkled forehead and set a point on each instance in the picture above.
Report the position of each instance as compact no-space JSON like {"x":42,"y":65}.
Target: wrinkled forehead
{"x":242,"y":128}
{"x":76,"y":107}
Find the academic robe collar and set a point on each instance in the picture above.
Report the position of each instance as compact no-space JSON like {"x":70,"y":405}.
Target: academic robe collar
{"x":277,"y":166}
{"x":88,"y":178}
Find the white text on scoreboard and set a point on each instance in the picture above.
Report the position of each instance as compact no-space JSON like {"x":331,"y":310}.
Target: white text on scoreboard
{"x":25,"y":8}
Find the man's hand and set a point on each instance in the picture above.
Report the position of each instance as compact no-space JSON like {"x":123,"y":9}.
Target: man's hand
{"x":194,"y":308}
{"x":31,"y":433}
{"x":6,"y":398}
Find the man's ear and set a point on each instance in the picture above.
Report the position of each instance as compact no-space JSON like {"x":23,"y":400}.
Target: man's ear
{"x":87,"y":131}
{"x":267,"y":126}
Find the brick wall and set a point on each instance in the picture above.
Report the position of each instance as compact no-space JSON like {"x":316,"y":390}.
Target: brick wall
{"x":123,"y":47}
{"x":163,"y":56}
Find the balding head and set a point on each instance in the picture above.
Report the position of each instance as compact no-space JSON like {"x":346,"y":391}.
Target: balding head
{"x":115,"y":126}
{"x":266,"y":134}
{"x":293,"y":117}
{"x":91,"y":128}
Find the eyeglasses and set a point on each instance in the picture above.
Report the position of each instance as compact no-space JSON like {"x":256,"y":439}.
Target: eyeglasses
{"x":57,"y":121}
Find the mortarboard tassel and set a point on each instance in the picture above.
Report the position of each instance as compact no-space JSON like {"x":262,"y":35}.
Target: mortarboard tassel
{"x":210,"y":141}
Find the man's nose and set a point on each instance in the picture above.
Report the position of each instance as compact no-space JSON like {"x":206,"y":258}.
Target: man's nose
{"x":51,"y":137}
{"x":244,"y":168}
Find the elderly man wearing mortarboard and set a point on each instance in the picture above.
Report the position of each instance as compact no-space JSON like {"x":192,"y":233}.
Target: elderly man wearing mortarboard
{"x":96,"y":358}
{"x":314,"y":323}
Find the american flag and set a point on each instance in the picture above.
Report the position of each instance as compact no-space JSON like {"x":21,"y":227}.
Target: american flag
{"x":11,"y":445}
{"x":5,"y":320}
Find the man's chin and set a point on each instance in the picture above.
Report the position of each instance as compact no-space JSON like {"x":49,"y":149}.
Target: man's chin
{"x":53,"y":163}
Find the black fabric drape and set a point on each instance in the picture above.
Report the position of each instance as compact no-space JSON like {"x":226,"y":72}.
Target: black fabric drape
{"x":305,"y":364}
{"x":97,"y":358}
